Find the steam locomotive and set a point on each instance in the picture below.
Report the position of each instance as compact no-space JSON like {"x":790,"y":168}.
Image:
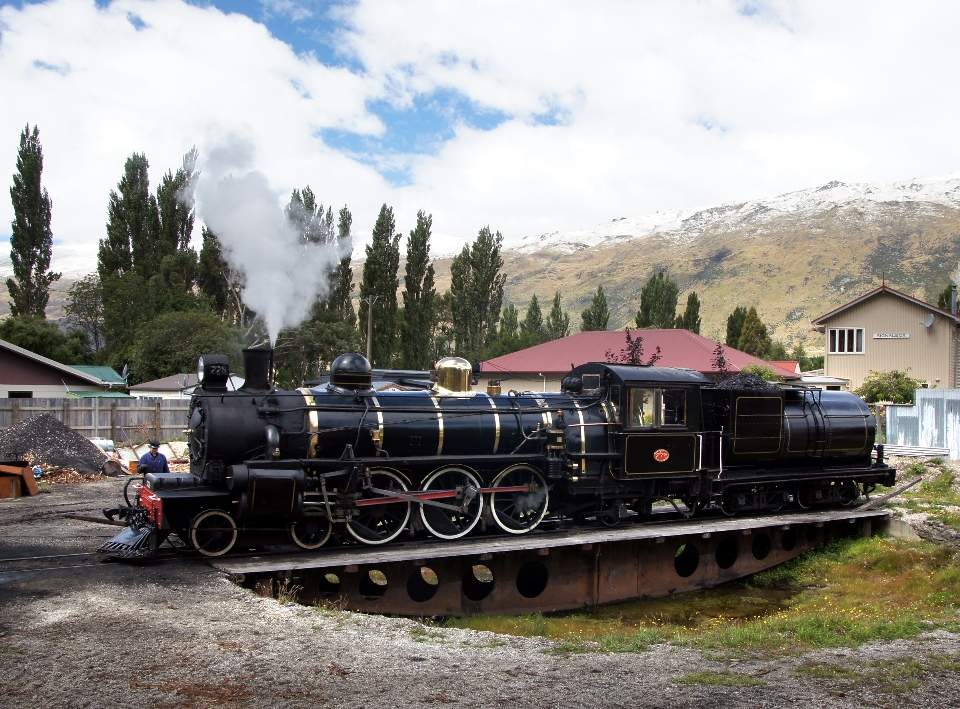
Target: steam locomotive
{"x":359,"y":465}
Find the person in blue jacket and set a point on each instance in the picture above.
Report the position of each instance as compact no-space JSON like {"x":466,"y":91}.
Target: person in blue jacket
{"x":153,"y":461}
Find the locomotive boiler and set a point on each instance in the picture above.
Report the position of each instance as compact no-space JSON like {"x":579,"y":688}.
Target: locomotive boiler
{"x":353,"y":464}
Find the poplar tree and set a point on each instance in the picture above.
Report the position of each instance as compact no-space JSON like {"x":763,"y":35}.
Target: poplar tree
{"x":419,"y":295}
{"x":380,"y":279}
{"x":558,"y":322}
{"x":753,"y":337}
{"x":735,"y":326}
{"x":508,"y":335}
{"x":690,"y":319}
{"x":658,"y":303}
{"x":340,"y":300}
{"x":597,"y":316}
{"x":532,"y":330}
{"x":477,"y":293}
{"x":31,"y":240}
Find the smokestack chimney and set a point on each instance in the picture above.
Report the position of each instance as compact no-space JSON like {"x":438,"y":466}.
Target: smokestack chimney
{"x":953,"y":298}
{"x":258,"y":370}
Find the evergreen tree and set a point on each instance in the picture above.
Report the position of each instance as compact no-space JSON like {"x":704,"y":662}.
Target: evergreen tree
{"x":418,"y":296}
{"x":558,"y":322}
{"x":945,"y":297}
{"x":778,"y":352}
{"x":380,"y":280}
{"x":84,"y":309}
{"x":477,"y":293}
{"x":735,"y":326}
{"x":690,"y":320}
{"x":442,"y":336}
{"x":658,"y":303}
{"x":31,"y":240}
{"x":753,"y":337}
{"x":597,"y":316}
{"x":532,"y":330}
{"x":175,"y":206}
{"x":508,"y":334}
{"x":340,"y":300}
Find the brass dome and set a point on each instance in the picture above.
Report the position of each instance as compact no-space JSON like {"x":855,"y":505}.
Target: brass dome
{"x":454,"y":374}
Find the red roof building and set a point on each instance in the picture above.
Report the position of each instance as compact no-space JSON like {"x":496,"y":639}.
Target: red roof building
{"x":541,"y":368}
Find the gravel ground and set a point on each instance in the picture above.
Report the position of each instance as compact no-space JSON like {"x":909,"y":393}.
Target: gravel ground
{"x":76,"y":632}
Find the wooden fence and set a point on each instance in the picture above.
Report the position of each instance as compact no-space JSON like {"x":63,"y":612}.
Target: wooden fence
{"x":125,"y":421}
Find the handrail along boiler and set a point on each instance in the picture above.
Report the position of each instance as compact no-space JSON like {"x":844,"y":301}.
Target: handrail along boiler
{"x":366,"y":466}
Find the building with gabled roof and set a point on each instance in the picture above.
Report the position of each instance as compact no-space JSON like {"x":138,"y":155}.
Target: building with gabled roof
{"x":27,"y":375}
{"x":540,"y":368}
{"x":886,"y":329}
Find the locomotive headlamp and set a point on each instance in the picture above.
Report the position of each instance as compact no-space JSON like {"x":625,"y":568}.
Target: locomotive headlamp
{"x":213,"y":371}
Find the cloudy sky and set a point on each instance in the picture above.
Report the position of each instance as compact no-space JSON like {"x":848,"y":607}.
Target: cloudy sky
{"x":527,"y":116}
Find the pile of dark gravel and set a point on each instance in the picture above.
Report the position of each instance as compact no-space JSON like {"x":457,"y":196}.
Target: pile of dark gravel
{"x":45,"y":440}
{"x":745,"y":380}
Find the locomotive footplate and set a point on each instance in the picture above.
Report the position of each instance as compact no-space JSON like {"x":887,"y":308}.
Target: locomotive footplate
{"x":547,"y":571}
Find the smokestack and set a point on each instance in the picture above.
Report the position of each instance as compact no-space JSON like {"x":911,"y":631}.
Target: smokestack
{"x":258,"y":370}
{"x":953,"y":298}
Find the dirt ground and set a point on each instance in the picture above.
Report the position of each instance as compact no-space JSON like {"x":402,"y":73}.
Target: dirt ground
{"x":78,"y":632}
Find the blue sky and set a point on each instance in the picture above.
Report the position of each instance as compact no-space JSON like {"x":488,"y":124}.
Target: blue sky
{"x":531,"y":117}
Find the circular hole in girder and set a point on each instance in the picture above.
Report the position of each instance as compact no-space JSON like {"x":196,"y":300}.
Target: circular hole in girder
{"x":329,"y":584}
{"x":477,"y":582}
{"x":789,"y":540}
{"x":422,"y":584}
{"x":373,"y":584}
{"x":532,"y":579}
{"x":761,"y":546}
{"x":727,"y":552}
{"x":686,"y":560}
{"x":813,"y":533}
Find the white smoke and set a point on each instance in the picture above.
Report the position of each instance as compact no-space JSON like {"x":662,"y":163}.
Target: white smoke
{"x":283,"y":276}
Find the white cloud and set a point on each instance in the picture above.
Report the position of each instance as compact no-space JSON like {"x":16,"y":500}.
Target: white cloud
{"x":661,"y":105}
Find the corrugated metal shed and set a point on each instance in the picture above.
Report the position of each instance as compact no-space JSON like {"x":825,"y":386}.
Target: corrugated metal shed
{"x":934,"y":421}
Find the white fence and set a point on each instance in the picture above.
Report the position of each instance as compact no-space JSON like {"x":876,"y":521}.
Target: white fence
{"x":933,"y":422}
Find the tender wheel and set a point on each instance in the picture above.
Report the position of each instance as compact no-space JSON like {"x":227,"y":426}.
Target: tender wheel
{"x":379,"y":524}
{"x":849,"y":493}
{"x":213,"y":533}
{"x":519,"y":511}
{"x":452,"y":524}
{"x":311,"y":532}
{"x":804,"y":498}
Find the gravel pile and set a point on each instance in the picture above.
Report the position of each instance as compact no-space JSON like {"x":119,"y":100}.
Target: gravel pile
{"x":45,"y":440}
{"x":745,"y":380}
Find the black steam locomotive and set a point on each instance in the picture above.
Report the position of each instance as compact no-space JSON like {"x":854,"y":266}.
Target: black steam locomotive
{"x":362,"y":465}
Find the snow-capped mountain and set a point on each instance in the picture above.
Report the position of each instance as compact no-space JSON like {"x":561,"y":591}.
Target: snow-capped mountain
{"x":684,"y":225}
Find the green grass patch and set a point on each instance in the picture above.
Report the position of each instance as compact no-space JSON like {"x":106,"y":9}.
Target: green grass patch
{"x":894,"y":676}
{"x":845,"y":594}
{"x":726,"y":678}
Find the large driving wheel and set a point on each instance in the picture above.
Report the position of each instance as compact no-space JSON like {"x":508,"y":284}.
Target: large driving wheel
{"x":311,"y":532}
{"x":517,"y":512}
{"x":213,"y":533}
{"x":447,"y":523}
{"x":380,"y":523}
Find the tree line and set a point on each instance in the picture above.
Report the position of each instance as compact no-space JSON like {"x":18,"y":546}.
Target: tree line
{"x":155,"y":303}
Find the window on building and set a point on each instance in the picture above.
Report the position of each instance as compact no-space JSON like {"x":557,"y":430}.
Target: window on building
{"x":20,"y":395}
{"x":845,"y":340}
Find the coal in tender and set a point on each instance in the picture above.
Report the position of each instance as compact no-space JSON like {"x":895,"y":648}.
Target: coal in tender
{"x":746,"y":380}
{"x":45,"y":440}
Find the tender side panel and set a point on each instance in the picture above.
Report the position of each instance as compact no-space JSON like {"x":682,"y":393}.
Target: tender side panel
{"x":660,"y":453}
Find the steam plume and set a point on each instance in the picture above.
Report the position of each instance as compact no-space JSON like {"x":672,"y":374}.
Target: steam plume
{"x":283,"y":275}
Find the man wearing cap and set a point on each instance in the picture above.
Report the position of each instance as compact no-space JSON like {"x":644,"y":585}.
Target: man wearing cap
{"x":153,"y":461}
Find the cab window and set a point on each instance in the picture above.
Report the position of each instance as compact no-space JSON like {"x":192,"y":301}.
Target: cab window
{"x":673,"y":411}
{"x":651,"y":408}
{"x":642,"y":408}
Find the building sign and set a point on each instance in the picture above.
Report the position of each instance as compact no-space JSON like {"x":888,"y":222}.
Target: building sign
{"x":891,"y":336}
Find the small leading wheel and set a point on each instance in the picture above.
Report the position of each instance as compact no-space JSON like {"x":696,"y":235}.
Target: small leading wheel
{"x":519,"y":511}
{"x":379,"y":524}
{"x":213,"y":533}
{"x":452,"y":524}
{"x":311,"y":532}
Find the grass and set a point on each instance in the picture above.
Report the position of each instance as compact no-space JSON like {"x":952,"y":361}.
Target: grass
{"x":893,"y":676}
{"x":845,"y":594}
{"x":726,"y":678}
{"x":939,"y":498}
